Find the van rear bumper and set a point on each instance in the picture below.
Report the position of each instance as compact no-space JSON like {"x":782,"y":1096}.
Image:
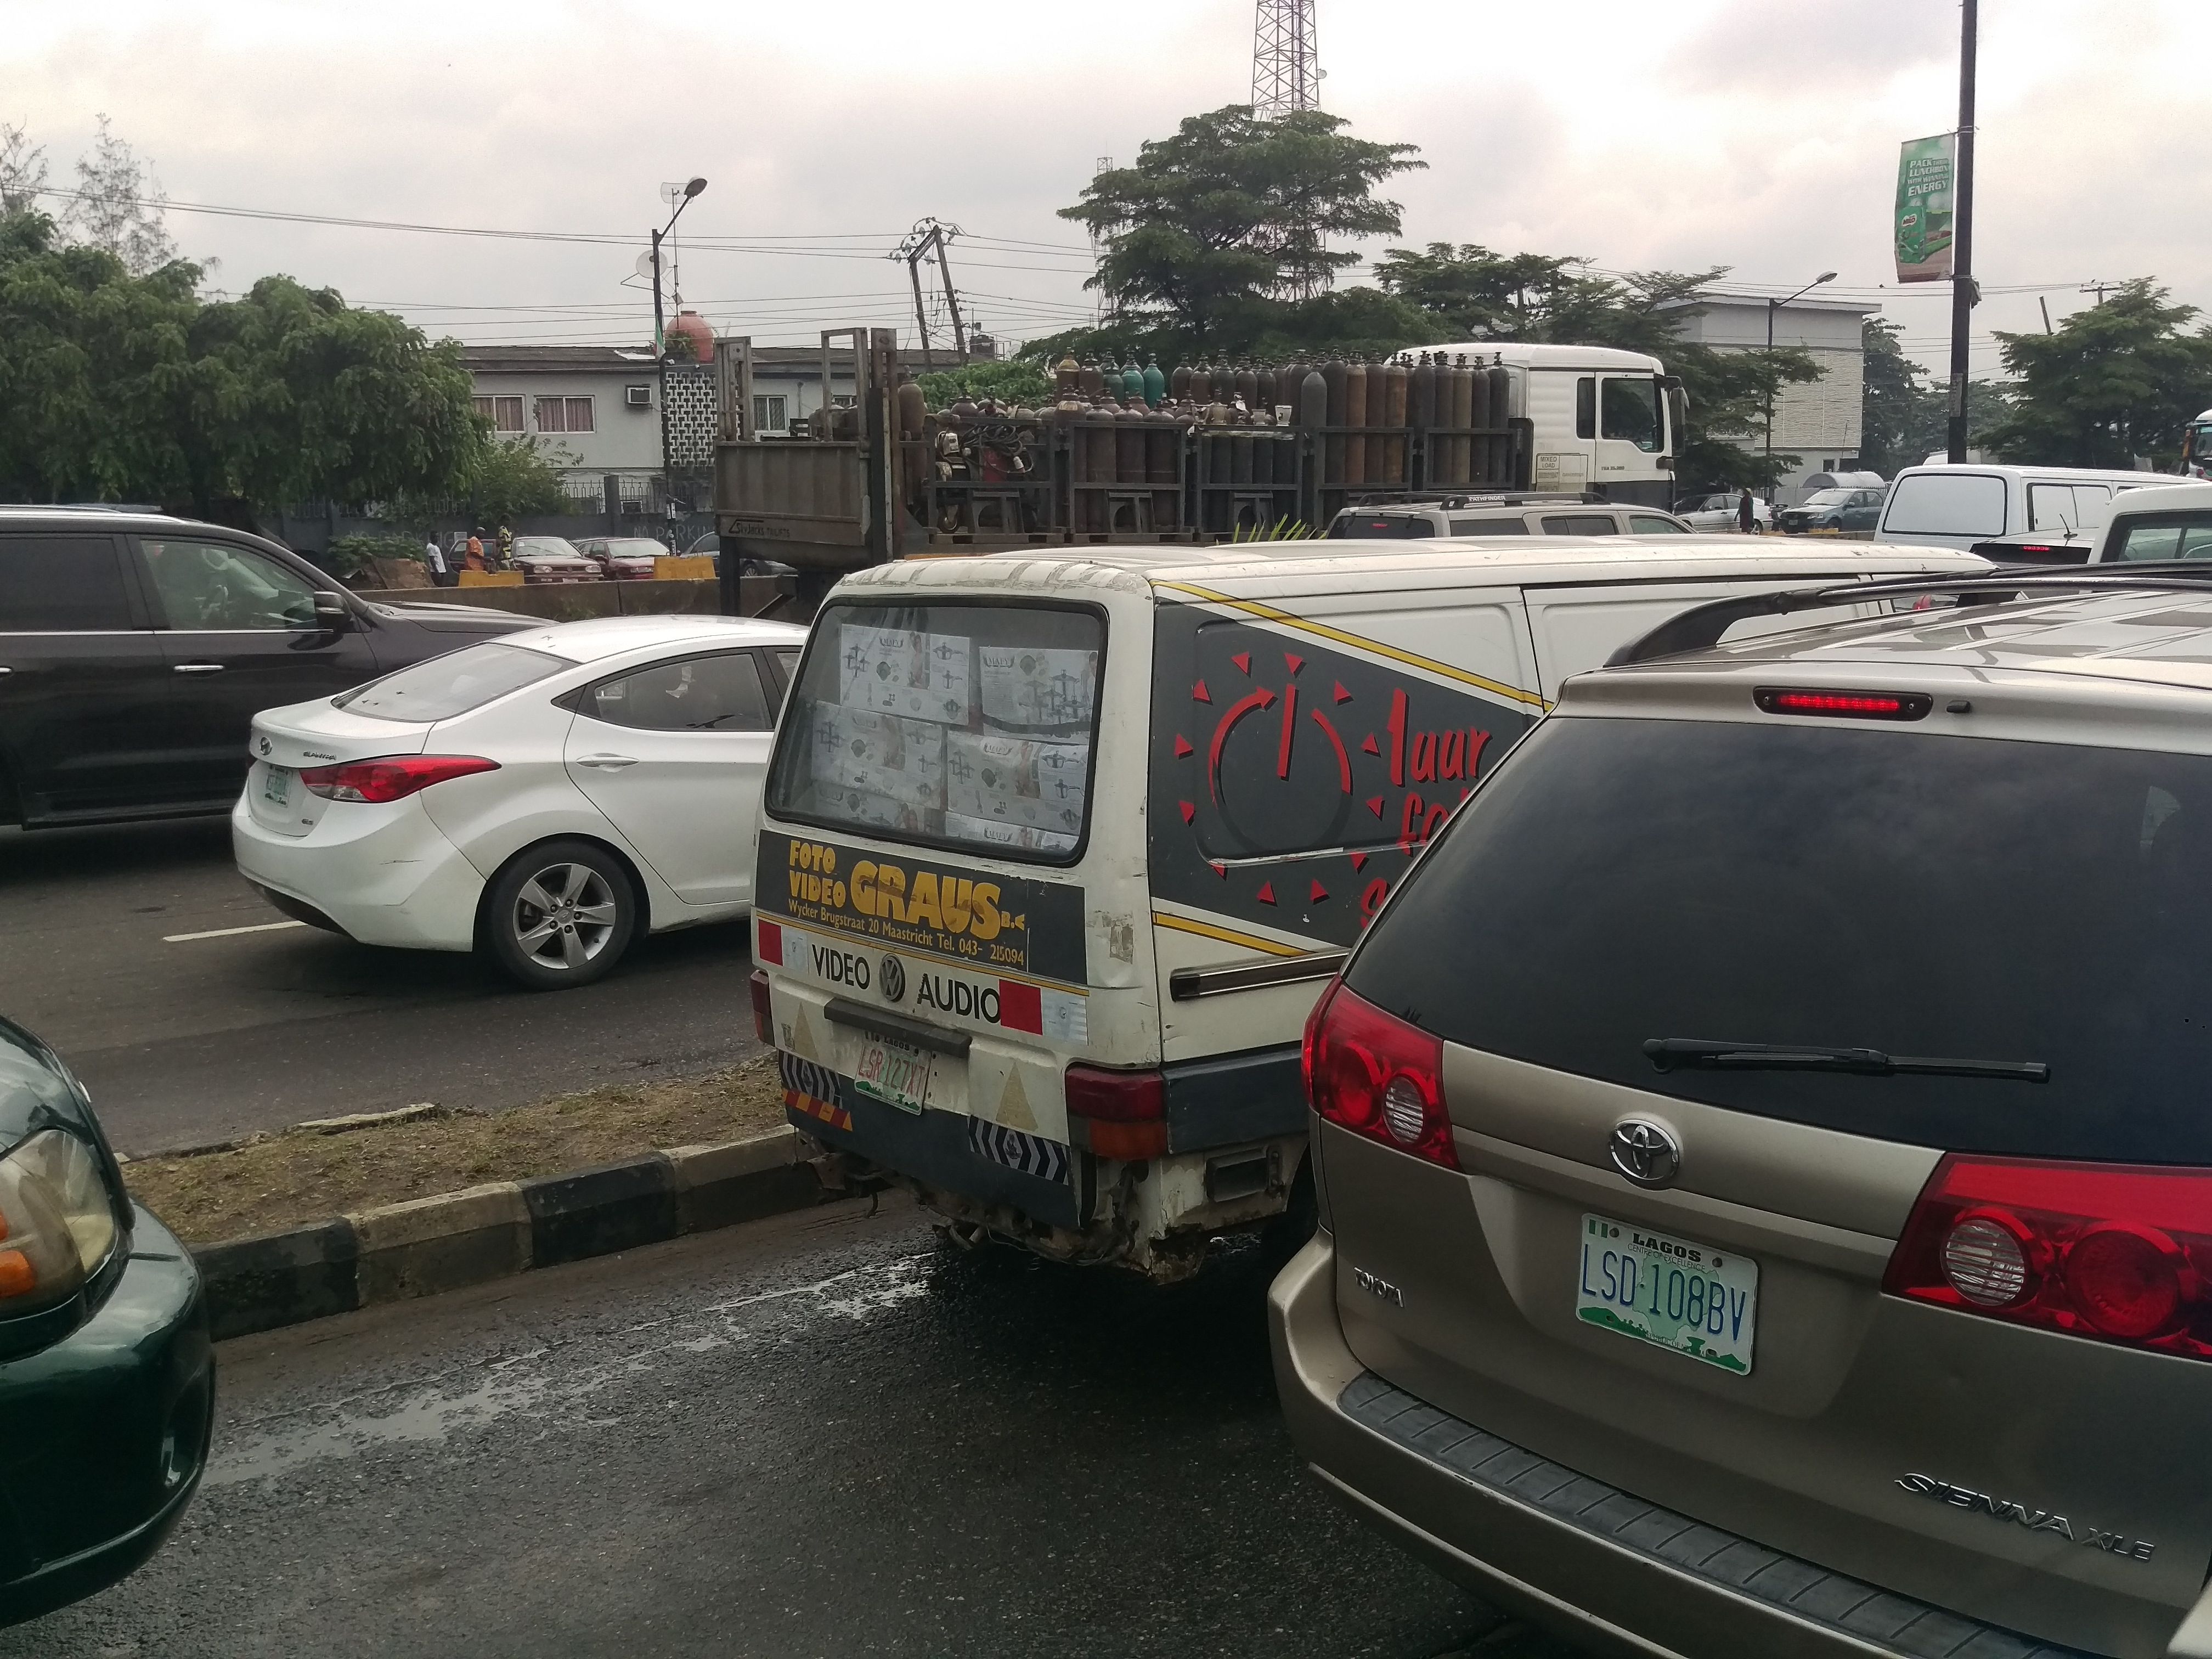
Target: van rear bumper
{"x":1596,"y":1564}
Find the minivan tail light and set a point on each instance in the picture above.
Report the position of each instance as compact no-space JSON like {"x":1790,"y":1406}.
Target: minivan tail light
{"x":1125,"y":1112}
{"x":1843,"y":705}
{"x":764,"y":1010}
{"x":1377,"y":1076}
{"x":390,"y":777}
{"x":2116,"y":1253}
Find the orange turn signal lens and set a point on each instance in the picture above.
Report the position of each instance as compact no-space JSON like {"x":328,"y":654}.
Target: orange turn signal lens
{"x":17,"y":1276}
{"x":1129,"y":1142}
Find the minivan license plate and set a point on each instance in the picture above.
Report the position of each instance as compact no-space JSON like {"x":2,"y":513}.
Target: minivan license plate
{"x":893,"y":1074}
{"x":277,"y":785}
{"x":1675,"y":1292}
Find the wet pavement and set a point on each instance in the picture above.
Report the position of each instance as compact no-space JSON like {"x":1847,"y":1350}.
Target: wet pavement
{"x":828,"y":1434}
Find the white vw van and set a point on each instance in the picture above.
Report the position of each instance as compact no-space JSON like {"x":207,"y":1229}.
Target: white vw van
{"x":1056,"y":853}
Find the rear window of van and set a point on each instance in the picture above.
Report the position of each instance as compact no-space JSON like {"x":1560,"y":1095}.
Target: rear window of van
{"x":967,"y":725}
{"x":1947,"y":504}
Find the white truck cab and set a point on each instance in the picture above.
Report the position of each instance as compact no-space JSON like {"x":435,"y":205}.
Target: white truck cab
{"x":1056,"y":853}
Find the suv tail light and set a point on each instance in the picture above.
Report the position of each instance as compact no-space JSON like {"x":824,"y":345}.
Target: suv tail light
{"x":1377,"y":1076}
{"x":2117,"y":1253}
{"x":393,"y":777}
{"x":763,"y":1012}
{"x":1843,"y":705}
{"x":1126,"y":1112}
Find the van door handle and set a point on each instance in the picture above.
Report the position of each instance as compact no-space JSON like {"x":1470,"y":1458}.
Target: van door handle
{"x":607,"y":762}
{"x":199,"y":668}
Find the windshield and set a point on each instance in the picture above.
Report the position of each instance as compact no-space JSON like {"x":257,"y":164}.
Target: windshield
{"x":633,"y":547}
{"x":1828,"y":498}
{"x":967,"y":725}
{"x":452,"y":684}
{"x":1782,"y":884}
{"x":544,"y":544}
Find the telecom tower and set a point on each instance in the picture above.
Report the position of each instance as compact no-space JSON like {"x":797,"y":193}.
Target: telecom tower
{"x":1286,"y":61}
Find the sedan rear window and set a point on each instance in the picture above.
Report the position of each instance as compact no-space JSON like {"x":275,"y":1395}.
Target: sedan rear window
{"x":452,"y":684}
{"x":1622,"y":880}
{"x":963,"y":725}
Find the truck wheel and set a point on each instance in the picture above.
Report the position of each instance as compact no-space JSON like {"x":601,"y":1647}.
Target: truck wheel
{"x":559,"y":914}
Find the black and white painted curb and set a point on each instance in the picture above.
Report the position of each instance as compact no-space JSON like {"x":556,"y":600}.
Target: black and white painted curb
{"x":442,"y":1244}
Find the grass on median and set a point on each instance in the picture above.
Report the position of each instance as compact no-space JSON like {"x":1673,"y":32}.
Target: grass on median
{"x":280,"y":1179}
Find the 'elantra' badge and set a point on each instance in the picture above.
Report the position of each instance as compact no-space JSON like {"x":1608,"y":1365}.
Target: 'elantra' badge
{"x":1645,"y":1151}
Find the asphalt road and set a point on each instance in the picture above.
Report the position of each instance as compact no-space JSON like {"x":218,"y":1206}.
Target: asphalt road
{"x":826,"y":1434}
{"x":199,"y":1040}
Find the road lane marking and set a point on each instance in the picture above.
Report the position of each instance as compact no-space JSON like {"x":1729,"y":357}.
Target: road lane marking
{"x":226,"y":932}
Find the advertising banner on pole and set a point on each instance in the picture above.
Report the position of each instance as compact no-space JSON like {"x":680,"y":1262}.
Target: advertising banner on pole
{"x":1926,"y":168}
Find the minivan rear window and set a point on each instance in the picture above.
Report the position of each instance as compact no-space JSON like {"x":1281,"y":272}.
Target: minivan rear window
{"x":442,"y":687}
{"x":1619,"y":880}
{"x":1947,"y":504}
{"x":958,"y":724}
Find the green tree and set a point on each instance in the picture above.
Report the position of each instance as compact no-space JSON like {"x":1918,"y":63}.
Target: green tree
{"x":513,"y":478}
{"x":1474,"y":294}
{"x":1213,"y":231}
{"x":1902,"y":414}
{"x":1010,"y":383}
{"x":2115,"y":381}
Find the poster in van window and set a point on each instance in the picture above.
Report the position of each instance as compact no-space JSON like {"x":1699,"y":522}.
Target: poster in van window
{"x":907,"y":672}
{"x":971,"y":917}
{"x":1293,"y":780}
{"x":881,"y":755}
{"x":1027,"y":688}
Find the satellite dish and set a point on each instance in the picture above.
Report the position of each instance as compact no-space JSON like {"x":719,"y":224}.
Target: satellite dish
{"x":673,"y":193}
{"x":645,"y":265}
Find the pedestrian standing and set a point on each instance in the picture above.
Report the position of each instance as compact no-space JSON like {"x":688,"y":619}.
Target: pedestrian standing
{"x":1746,"y":514}
{"x":475,"y":556}
{"x":505,"y":548}
{"x":435,"y":556}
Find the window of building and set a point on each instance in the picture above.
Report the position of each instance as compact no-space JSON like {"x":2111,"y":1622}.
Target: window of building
{"x":505,"y":414}
{"x":770,"y":414}
{"x":564,"y":415}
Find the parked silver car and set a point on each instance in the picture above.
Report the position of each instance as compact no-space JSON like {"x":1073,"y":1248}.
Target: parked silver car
{"x":1766,"y":1171}
{"x":1722,"y":510}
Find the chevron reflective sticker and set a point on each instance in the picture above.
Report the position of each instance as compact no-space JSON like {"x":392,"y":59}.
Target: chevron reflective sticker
{"x":1029,"y":1154}
{"x":813,"y":1090}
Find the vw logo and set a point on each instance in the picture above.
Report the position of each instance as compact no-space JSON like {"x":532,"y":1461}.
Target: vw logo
{"x":1645,"y":1151}
{"x":893,"y":978}
{"x":264,"y":746}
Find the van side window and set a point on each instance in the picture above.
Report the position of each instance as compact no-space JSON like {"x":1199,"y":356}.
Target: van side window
{"x":2065,"y":506}
{"x":1947,"y":504}
{"x":1586,"y":407}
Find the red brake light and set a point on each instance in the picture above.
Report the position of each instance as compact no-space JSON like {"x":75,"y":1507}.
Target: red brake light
{"x":763,"y":1018}
{"x":1846,"y":705}
{"x":390,"y":777}
{"x":2118,"y":1253}
{"x":1126,"y":1113}
{"x":1377,"y":1076}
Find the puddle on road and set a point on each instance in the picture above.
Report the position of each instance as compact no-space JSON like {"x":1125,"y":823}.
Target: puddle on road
{"x":546,"y":1384}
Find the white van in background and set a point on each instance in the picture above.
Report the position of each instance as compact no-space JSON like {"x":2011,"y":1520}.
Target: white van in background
{"x":1942,"y":505}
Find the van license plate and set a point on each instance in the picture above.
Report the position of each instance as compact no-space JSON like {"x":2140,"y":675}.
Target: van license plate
{"x":893,"y":1074}
{"x":277,"y":785}
{"x":1691,"y":1298}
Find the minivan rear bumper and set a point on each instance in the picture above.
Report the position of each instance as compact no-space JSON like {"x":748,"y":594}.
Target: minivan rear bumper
{"x":1600,"y":1567}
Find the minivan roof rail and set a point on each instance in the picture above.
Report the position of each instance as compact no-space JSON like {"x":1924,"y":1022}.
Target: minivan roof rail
{"x":1700,"y":627}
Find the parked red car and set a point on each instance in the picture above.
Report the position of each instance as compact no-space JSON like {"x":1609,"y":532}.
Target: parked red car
{"x":623,"y":558}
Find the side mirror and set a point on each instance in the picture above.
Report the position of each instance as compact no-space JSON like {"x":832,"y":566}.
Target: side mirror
{"x":332,"y":612}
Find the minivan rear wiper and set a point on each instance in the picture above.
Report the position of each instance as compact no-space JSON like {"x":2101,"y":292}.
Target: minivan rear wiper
{"x":1667,"y":1053}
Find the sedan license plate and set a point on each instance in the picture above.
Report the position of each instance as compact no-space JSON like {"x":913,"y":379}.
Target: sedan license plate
{"x":894,"y":1073}
{"x":277,"y":785}
{"x":1689,"y":1298}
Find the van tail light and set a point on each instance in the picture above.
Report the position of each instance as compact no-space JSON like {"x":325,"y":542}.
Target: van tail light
{"x":1126,"y":1113}
{"x":393,"y":777}
{"x":1377,"y":1076}
{"x":2117,"y":1253}
{"x":763,"y":1013}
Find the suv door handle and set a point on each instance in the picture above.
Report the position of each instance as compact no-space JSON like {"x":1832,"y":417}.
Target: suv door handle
{"x":607,"y":762}
{"x":199,"y":667}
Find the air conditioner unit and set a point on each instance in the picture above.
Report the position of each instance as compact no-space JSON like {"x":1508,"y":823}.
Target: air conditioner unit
{"x":638,"y":396}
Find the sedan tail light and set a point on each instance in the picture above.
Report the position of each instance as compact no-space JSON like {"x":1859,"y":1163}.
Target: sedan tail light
{"x":390,"y":777}
{"x":2117,"y":1253}
{"x":1377,"y":1076}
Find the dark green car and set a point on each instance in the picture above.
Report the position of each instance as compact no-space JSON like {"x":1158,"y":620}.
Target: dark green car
{"x":106,"y":1376}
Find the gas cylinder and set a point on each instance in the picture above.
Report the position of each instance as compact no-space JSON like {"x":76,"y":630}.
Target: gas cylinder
{"x":1421,"y":410}
{"x":1201,"y":384}
{"x":1356,"y":378}
{"x":912,"y":407}
{"x":1501,"y":404}
{"x":1179,"y":382}
{"x":1067,"y":375}
{"x":1477,"y":461}
{"x":1396,"y":384}
{"x":1266,"y":380}
{"x":1248,"y":383}
{"x":1132,"y":382}
{"x":1092,"y":382}
{"x":1129,"y":467}
{"x":1334,"y":374}
{"x":1155,"y":384}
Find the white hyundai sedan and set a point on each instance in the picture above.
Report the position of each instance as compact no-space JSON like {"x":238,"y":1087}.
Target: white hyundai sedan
{"x":543,"y":797}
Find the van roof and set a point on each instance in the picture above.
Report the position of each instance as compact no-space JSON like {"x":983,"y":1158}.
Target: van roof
{"x":1327,"y":567}
{"x":2008,"y":469}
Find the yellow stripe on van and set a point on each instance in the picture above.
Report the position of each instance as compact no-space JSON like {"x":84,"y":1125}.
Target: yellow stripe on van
{"x":1358,"y":642}
{"x":1227,"y":935}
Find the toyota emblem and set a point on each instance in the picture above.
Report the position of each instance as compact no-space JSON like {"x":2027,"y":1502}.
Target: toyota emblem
{"x":893,"y":978}
{"x":1645,"y":1151}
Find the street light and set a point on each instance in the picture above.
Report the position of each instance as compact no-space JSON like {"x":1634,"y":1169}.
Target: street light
{"x":1773,"y":306}
{"x":659,"y":326}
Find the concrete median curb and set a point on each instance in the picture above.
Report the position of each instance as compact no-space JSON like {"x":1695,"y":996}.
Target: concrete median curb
{"x":432,"y":1244}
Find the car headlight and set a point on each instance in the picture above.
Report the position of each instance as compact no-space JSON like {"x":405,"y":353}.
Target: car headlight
{"x":56,"y":1221}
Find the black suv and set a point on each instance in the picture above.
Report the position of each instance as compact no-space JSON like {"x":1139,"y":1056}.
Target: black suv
{"x":135,"y":649}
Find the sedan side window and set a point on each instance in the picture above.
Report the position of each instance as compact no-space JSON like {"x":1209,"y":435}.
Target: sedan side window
{"x":700,"y":694}
{"x":211,"y":585}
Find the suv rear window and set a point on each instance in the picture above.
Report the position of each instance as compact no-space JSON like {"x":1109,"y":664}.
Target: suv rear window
{"x":967,"y":725}
{"x":452,"y":684}
{"x":1388,"y":526}
{"x":1620,"y":880}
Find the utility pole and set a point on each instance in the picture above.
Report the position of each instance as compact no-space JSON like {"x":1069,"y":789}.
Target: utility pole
{"x":928,"y":236}
{"x":1964,"y":293}
{"x":659,"y":328}
{"x":2097,"y":289}
{"x":1773,"y":306}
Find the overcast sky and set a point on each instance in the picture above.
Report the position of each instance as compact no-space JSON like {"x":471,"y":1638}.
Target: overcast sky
{"x":1757,"y":134}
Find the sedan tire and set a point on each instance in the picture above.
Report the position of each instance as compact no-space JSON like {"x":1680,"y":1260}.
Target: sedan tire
{"x":559,"y":914}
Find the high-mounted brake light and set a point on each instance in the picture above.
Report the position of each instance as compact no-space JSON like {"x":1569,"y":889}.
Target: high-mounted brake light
{"x":1125,"y":1113}
{"x":390,"y":777}
{"x":2116,"y":1253}
{"x":1844,"y":705}
{"x":1377,"y":1076}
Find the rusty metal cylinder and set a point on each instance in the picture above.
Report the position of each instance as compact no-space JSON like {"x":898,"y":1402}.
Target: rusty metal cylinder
{"x":1264,"y":380}
{"x":1478,"y":464}
{"x":1501,"y":404}
{"x":1202,"y":385}
{"x":1397,"y":384}
{"x":1248,"y":386}
{"x":1179,"y":382}
{"x":1357,"y":380}
{"x":1463,"y":413}
{"x":1335,"y":375}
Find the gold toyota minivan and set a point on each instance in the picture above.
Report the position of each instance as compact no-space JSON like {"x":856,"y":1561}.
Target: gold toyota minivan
{"x":1764,"y":1147}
